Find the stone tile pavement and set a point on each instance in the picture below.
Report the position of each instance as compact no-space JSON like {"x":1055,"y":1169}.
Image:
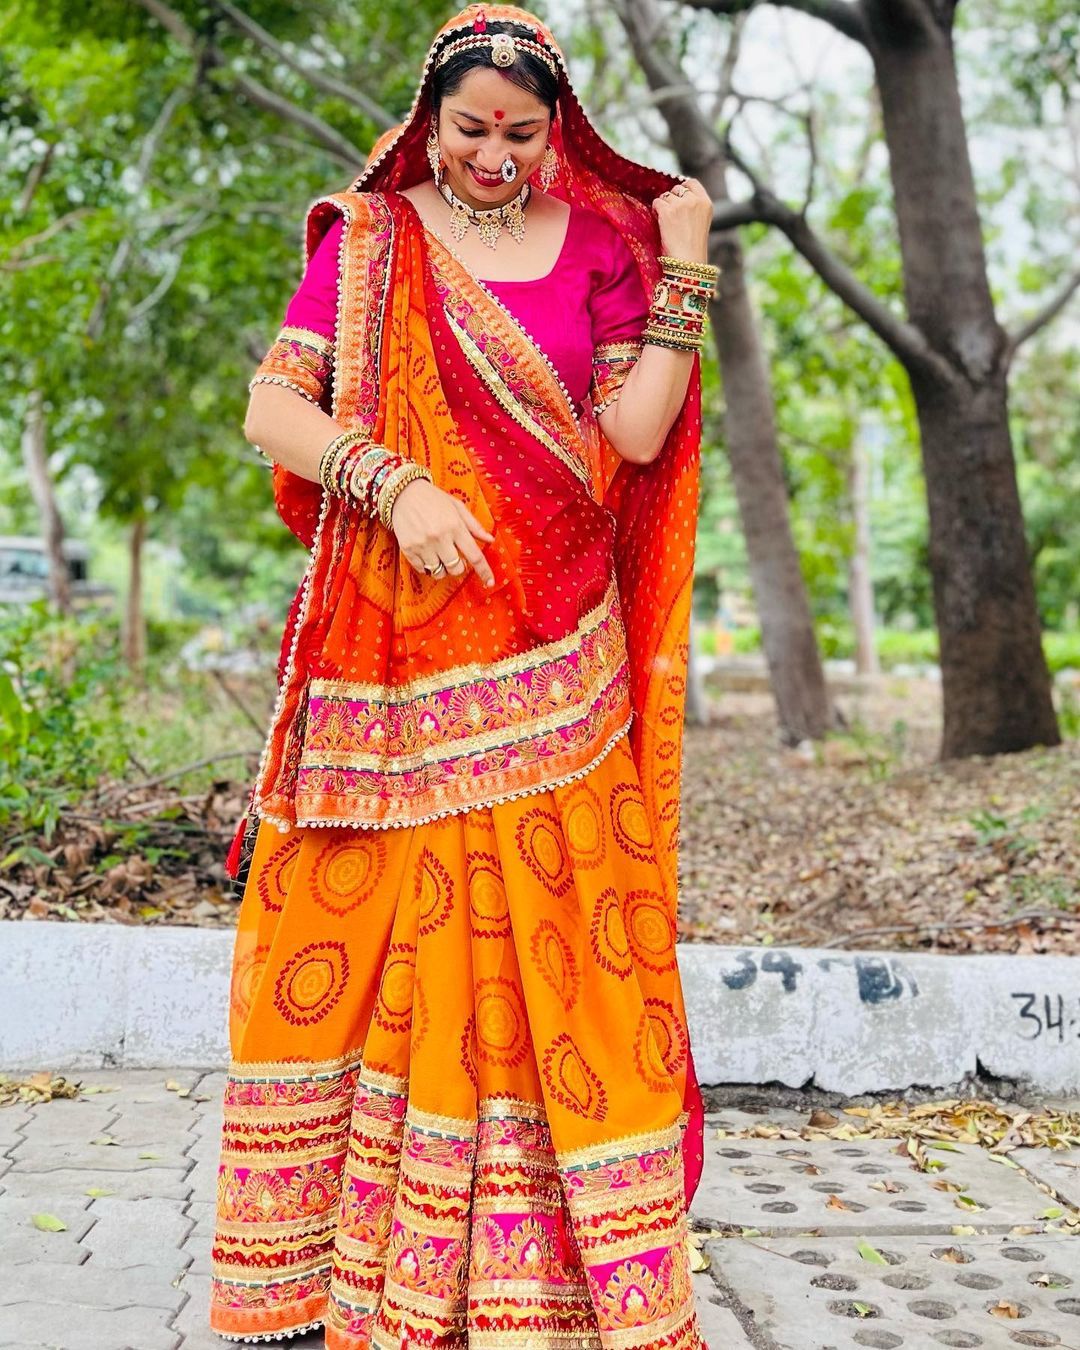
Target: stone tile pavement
{"x":785,"y":1228}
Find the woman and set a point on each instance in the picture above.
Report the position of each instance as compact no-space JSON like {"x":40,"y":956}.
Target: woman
{"x":461,"y":1106}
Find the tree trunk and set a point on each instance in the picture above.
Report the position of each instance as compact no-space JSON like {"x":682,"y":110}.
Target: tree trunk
{"x":134,"y":622}
{"x":795,"y":670}
{"x":36,"y":461}
{"x":860,"y":585}
{"x":995,"y":682}
{"x":796,"y":674}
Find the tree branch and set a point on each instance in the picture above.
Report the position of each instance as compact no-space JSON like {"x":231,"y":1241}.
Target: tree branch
{"x":318,"y":79}
{"x":147,"y":151}
{"x":1041,"y":317}
{"x":342,"y":149}
{"x":904,"y":339}
{"x":701,"y":151}
{"x":846,"y":16}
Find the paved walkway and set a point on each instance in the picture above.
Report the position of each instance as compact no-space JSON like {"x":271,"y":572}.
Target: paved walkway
{"x":861,"y":1248}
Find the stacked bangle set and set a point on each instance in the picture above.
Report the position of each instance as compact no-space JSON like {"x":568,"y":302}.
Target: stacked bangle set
{"x":680,"y":298}
{"x":353,"y":466}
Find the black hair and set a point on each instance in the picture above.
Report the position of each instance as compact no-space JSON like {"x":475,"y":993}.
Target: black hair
{"x":528,"y":72}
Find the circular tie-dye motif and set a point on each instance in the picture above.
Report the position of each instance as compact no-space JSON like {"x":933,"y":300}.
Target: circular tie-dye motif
{"x":247,"y":973}
{"x":555,"y":961}
{"x":660,"y":1044}
{"x":570,"y":1080}
{"x":277,"y":873}
{"x":607,"y":935}
{"x":630,"y":822}
{"x":583,"y":824}
{"x":487,"y":897}
{"x":651,"y":931}
{"x":435,"y":889}
{"x":502,"y":1027}
{"x":311,"y":982}
{"x":394,"y":1003}
{"x":541,"y":847}
{"x":346,"y":872}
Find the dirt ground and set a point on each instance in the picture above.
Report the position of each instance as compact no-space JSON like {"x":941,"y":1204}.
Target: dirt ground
{"x":862,"y":841}
{"x":866,"y":841}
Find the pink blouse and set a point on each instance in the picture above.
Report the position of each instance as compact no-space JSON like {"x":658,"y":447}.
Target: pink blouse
{"x":586,"y":315}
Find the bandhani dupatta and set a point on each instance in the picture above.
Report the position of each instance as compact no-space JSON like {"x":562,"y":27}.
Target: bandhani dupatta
{"x":404,"y":698}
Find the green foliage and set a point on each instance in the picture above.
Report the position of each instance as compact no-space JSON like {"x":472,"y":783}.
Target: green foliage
{"x":62,"y":726}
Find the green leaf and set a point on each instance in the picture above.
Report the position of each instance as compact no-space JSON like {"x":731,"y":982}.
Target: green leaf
{"x":48,"y":1223}
{"x":870,"y":1254}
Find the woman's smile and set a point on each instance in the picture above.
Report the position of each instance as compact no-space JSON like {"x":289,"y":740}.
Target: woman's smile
{"x":483,"y":178}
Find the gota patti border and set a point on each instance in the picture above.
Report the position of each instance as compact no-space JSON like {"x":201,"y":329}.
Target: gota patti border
{"x":300,"y":360}
{"x":381,"y":1207}
{"x":386,"y":756}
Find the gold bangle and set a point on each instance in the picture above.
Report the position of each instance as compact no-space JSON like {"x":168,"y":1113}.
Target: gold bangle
{"x":685,"y":267}
{"x":388,"y":493}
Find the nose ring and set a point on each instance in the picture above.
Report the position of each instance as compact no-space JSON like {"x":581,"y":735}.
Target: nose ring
{"x":508,"y":170}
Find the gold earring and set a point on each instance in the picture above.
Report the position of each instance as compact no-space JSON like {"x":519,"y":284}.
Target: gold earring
{"x":431,"y":146}
{"x":549,"y":167}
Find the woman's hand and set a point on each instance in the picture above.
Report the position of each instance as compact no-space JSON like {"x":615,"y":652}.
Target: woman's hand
{"x":685,"y":214}
{"x":432,"y":526}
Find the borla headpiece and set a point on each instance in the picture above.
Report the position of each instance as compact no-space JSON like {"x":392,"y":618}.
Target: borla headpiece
{"x":504,"y":46}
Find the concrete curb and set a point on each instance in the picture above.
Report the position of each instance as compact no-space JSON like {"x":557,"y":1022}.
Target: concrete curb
{"x":110,"y":996}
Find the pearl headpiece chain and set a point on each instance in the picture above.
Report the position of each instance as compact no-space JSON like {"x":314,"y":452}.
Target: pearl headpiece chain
{"x":504,"y":46}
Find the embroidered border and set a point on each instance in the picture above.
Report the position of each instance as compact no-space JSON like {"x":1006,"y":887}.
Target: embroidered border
{"x":340,"y":1201}
{"x":373,"y":755}
{"x":612,"y":363}
{"x":300,"y":360}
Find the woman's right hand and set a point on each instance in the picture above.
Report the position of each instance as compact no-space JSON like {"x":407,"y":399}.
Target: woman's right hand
{"x":432,"y":526}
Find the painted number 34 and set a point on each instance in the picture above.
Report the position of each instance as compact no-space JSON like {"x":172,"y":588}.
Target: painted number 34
{"x":1048,"y":1015}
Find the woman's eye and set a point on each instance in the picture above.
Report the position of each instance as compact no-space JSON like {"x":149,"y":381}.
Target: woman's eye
{"x":473,"y":132}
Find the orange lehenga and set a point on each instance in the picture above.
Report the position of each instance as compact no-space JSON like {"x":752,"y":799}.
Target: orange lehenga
{"x":460,"y":1107}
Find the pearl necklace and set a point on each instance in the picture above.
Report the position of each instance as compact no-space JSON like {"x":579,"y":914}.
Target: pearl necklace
{"x":488,"y":222}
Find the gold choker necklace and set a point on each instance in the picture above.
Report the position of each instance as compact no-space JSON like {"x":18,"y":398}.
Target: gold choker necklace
{"x":490,"y":220}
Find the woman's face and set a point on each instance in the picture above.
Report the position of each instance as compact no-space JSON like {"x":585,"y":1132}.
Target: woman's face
{"x":483,"y":121}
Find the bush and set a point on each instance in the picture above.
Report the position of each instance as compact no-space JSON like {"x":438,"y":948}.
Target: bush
{"x":62,"y":687}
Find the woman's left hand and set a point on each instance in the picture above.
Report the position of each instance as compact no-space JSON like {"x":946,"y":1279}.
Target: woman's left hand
{"x":685,"y":215}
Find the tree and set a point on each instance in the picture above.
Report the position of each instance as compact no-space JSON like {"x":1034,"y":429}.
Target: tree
{"x":957,"y":355}
{"x":797,"y":677}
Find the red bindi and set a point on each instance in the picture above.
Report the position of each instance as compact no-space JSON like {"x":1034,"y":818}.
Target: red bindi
{"x":499,"y":114}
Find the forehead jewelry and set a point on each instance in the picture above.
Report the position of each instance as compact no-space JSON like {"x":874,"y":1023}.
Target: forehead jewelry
{"x":504,"y":46}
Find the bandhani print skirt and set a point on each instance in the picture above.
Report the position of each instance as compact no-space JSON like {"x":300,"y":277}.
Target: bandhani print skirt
{"x":451,"y":1117}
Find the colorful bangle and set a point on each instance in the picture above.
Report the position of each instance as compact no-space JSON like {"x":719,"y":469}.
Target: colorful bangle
{"x":679,"y":303}
{"x":332,"y":457}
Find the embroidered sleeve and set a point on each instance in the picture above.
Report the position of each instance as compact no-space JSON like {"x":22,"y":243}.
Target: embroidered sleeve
{"x":612,"y":362}
{"x":302,"y":355}
{"x":620,"y":311}
{"x":299,"y":359}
